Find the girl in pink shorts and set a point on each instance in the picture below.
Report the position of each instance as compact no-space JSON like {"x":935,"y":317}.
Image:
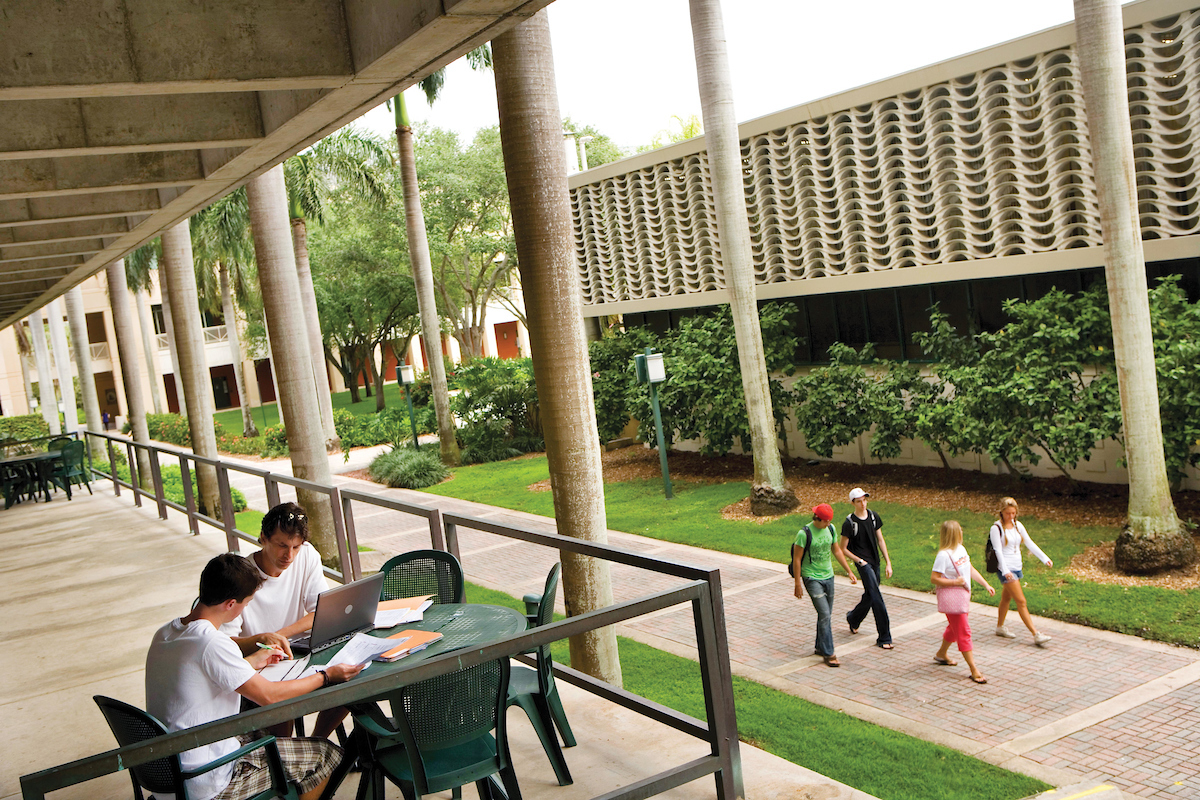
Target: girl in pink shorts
{"x":952,"y":574}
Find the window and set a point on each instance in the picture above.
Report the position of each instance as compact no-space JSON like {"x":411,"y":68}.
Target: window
{"x":884,"y":323}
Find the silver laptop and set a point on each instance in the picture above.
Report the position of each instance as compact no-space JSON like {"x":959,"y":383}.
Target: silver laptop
{"x":341,"y":612}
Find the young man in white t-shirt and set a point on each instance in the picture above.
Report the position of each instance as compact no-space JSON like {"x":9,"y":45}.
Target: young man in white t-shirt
{"x":196,"y":674}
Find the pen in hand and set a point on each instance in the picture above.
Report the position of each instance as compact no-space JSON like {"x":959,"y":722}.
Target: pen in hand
{"x":262,"y":646}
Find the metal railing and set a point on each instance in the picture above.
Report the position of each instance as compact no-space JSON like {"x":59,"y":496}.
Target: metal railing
{"x":216,"y":334}
{"x":99,"y":351}
{"x":701,"y":588}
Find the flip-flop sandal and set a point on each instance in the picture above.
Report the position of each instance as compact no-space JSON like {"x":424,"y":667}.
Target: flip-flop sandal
{"x":980,"y":679}
{"x":944,"y":662}
{"x":854,"y":630}
{"x":831,"y":661}
{"x":887,"y":646}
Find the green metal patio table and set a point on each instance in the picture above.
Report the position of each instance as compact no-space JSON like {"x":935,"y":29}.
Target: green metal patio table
{"x":37,"y":468}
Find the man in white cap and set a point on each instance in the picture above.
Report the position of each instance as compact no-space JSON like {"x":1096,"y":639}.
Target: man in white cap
{"x":862,"y":541}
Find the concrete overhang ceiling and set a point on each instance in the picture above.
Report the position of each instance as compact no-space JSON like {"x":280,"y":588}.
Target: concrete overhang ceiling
{"x":120,"y":118}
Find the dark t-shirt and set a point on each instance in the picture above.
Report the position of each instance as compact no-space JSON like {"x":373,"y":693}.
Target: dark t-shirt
{"x":861,"y":535}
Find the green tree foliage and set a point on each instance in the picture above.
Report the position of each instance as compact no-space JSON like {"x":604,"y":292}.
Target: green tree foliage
{"x":1176,"y":328}
{"x":836,"y":404}
{"x":678,"y":129}
{"x":498,"y":405}
{"x":618,"y":396}
{"x":464,"y":193}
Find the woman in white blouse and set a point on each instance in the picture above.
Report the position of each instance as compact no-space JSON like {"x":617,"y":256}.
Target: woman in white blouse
{"x":1007,"y":535}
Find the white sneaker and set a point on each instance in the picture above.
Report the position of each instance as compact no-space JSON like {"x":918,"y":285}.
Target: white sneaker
{"x":1003,"y":633}
{"x":1040,"y":639}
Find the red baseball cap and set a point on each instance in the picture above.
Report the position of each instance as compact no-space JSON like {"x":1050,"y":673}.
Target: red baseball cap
{"x":823,"y":512}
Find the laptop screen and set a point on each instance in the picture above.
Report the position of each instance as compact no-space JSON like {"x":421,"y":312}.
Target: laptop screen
{"x":346,"y":609}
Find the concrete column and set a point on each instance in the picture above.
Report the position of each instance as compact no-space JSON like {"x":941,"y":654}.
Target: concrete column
{"x":62,"y":364}
{"x":131,"y":373}
{"x":295,"y":386}
{"x":46,"y":399}
{"x":77,"y":319}
{"x":184,"y":299}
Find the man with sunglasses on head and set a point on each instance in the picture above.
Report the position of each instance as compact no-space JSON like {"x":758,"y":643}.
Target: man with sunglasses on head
{"x":283,"y":606}
{"x":862,"y":539}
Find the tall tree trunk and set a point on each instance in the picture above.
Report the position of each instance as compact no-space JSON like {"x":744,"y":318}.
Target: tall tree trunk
{"x":177,"y":263}
{"x":164,"y":288}
{"x":77,"y":319}
{"x":312,"y":323}
{"x":62,"y":365}
{"x":1153,"y":539}
{"x":771,"y":493}
{"x":235,"y":350}
{"x":377,"y":375}
{"x":289,"y":343}
{"x":46,"y":397}
{"x":143,"y":312}
{"x":274,"y":376}
{"x":131,"y":373}
{"x":24,"y":350}
{"x":422,"y":272}
{"x":536,"y":167}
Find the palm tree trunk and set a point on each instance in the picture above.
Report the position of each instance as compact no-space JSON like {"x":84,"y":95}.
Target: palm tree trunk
{"x":289,"y":343}
{"x":41,"y":356}
{"x":422,"y":272}
{"x":62,"y":365}
{"x":312,"y":321}
{"x":536,"y":166}
{"x":235,"y":351}
{"x":164,"y":288}
{"x":274,"y":375}
{"x":1153,"y":539}
{"x":23,"y":353}
{"x":131,"y":373}
{"x":377,"y":376}
{"x":771,"y":493}
{"x":143,"y":312}
{"x":193,"y":366}
{"x":77,"y":319}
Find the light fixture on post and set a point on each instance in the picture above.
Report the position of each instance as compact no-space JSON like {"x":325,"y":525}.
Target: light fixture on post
{"x":406,"y":377}
{"x":650,"y":369}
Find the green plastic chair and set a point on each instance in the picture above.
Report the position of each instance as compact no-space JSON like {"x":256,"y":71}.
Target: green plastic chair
{"x":131,"y":725}
{"x":15,"y":485}
{"x":419,"y":572}
{"x":440,"y":736}
{"x":72,"y":469}
{"x":534,"y":690}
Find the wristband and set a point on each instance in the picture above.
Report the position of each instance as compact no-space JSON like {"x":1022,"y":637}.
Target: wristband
{"x":324,"y":678}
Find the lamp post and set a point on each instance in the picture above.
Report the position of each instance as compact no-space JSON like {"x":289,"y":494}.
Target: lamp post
{"x":651,"y":369}
{"x":404,"y":374}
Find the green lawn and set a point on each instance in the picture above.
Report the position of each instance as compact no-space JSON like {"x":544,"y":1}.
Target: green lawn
{"x":693,"y":517}
{"x":882,"y":762}
{"x":231,"y":419}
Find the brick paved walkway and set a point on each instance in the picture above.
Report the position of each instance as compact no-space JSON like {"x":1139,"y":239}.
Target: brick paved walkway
{"x":1091,"y":705}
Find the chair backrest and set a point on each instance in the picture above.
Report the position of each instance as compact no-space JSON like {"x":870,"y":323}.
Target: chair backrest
{"x":545,"y":615}
{"x":73,"y":454}
{"x":419,"y":572}
{"x":59,"y":442}
{"x":131,"y":725}
{"x":441,"y":713}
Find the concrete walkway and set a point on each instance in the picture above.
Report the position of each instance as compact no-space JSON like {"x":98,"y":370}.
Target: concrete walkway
{"x":1090,"y":706}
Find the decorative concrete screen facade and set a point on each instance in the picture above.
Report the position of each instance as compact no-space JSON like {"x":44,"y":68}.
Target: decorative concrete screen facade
{"x":936,"y":175}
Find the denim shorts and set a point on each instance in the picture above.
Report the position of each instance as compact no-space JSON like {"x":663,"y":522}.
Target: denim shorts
{"x":1016,"y":573}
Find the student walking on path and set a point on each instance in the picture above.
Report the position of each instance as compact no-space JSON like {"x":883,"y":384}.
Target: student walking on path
{"x":952,"y":575}
{"x":1007,"y":535}
{"x":814,"y":550}
{"x":862,"y":541}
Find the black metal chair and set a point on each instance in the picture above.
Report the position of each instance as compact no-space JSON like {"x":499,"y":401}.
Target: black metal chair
{"x":534,"y":690}
{"x":440,"y":736}
{"x":421,"y":572}
{"x":166,"y":775}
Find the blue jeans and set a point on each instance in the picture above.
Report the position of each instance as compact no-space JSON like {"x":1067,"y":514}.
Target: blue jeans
{"x":872,"y":600}
{"x":821,"y":594}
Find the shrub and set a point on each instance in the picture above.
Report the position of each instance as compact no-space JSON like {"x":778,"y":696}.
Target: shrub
{"x":274,"y":442}
{"x":618,"y":395}
{"x":498,"y":405}
{"x":29,"y":426}
{"x":406,"y":468}
{"x":173,"y":429}
{"x":486,"y":440}
{"x":239,"y":445}
{"x":172,"y":478}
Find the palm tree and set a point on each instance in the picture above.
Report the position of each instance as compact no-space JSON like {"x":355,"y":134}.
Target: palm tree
{"x":771,"y":493}
{"x":418,"y":251}
{"x":1153,"y":539}
{"x":131,"y":373}
{"x":177,"y":265}
{"x":77,"y":319}
{"x":536,"y":166}
{"x":221,"y":239}
{"x":137,"y":275}
{"x":351,"y":160}
{"x":24,"y":353}
{"x":46,"y":396}
{"x":151,"y":254}
{"x":267,"y":199}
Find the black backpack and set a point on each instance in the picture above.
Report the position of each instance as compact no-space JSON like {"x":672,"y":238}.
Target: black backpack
{"x":807,"y":550}
{"x":990,"y":562}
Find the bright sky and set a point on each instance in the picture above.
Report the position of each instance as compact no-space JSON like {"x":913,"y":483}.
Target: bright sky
{"x":627,"y":66}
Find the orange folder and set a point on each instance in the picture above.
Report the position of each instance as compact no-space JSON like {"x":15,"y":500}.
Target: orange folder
{"x":414,"y":641}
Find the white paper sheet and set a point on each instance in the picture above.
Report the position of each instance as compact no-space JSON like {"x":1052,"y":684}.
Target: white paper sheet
{"x":399,"y":616}
{"x":284,"y":670}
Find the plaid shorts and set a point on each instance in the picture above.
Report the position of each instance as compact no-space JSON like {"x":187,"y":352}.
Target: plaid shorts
{"x":306,"y":762}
